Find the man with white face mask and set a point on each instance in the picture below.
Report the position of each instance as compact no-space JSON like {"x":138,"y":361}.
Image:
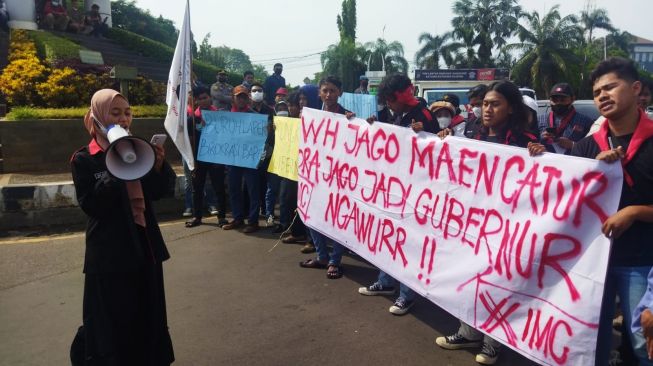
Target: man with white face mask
{"x":474,"y":120}
{"x":443,"y":113}
{"x":258,"y":97}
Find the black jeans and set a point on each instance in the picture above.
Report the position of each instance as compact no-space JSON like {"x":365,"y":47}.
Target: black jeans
{"x":216,"y":172}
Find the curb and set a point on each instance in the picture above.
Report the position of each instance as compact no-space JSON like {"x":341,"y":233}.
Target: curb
{"x":55,"y":204}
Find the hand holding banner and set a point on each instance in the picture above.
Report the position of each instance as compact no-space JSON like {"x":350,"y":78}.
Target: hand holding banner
{"x":286,"y":145}
{"x":508,"y":243}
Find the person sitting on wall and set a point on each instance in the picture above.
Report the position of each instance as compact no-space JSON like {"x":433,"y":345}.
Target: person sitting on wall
{"x":94,"y":20}
{"x":55,"y":16}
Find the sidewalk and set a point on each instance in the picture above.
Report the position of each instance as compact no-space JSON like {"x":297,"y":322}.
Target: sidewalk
{"x":29,"y":201}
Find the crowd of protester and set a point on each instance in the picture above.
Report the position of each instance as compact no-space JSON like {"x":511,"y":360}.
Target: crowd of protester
{"x":500,"y":115}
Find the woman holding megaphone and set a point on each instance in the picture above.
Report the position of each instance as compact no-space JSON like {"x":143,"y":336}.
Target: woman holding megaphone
{"x":124,"y":309}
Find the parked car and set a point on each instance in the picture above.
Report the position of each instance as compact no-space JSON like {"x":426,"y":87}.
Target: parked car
{"x":583,"y":106}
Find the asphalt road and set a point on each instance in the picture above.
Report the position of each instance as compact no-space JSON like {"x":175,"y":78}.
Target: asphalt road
{"x":232,"y":300}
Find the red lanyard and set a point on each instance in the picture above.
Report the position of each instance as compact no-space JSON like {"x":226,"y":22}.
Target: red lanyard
{"x":563,"y":124}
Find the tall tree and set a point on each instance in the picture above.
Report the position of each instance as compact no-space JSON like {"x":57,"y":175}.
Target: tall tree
{"x":344,"y":58}
{"x":493,"y":22}
{"x":385,"y":56}
{"x":434,"y":48}
{"x":548,"y":45}
{"x":592,"y":19}
{"x":461,"y":53}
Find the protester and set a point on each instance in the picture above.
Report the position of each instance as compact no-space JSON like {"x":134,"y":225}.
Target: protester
{"x":281,"y":109}
{"x":626,"y":136}
{"x":644,"y":101}
{"x":457,"y":120}
{"x":55,"y":16}
{"x":258,"y":100}
{"x":362,"y":85}
{"x":309,"y":97}
{"x":124,"y":307}
{"x":563,"y":126}
{"x":396,"y":91}
{"x":236,"y":175}
{"x":221,"y":91}
{"x":280,"y":95}
{"x":248,"y":79}
{"x":273,"y":83}
{"x":196,"y":122}
{"x":330,"y":90}
{"x":505,"y":121}
{"x":443,"y":113}
{"x":532,"y":115}
{"x":475,"y":119}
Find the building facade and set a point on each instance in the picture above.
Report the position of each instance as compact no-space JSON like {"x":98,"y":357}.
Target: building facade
{"x":642,"y":53}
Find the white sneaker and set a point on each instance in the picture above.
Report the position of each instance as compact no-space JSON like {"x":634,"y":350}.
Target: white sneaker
{"x":187,"y":212}
{"x":269,"y":222}
{"x":401,"y":306}
{"x":488,"y":356}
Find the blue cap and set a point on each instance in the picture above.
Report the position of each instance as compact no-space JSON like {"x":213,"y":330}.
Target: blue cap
{"x":363,"y":77}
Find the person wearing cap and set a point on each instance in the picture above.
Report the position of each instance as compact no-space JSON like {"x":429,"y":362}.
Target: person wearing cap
{"x":455,"y":101}
{"x":280,"y":95}
{"x":362,"y":88}
{"x":561,"y":128}
{"x":443,"y":113}
{"x":221,"y":91}
{"x":273,"y":83}
{"x":236,"y":175}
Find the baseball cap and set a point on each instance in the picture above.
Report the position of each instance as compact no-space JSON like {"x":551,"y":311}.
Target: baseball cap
{"x":240,"y":90}
{"x":452,"y":98}
{"x":562,"y":89}
{"x":363,"y":77}
{"x":530,"y":102}
{"x":282,"y":91}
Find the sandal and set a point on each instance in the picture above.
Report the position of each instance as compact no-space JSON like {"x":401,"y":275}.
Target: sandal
{"x":308,"y":248}
{"x":312,"y":263}
{"x":334,"y":272}
{"x":194,"y":222}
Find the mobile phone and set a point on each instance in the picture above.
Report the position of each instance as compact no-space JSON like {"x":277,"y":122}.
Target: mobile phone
{"x":551,"y":130}
{"x":158,"y":139}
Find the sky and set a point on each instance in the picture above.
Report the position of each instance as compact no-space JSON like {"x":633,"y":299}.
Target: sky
{"x":294,"y":32}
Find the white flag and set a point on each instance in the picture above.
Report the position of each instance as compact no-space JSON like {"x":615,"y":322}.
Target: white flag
{"x":177,"y":94}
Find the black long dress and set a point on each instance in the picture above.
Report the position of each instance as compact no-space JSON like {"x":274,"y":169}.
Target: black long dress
{"x":124,"y":310}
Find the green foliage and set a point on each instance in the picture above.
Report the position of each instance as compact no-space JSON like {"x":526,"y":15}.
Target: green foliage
{"x":51,"y":47}
{"x":382,"y":55}
{"x":23,"y":113}
{"x":230,"y":59}
{"x":434,"y":48}
{"x":126,"y":15}
{"x":63,"y":87}
{"x":492,"y":21}
{"x":347,"y":20}
{"x":146,"y":91}
{"x":162,"y":53}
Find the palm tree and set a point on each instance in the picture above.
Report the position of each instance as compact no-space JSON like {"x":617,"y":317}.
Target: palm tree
{"x":434,"y":48}
{"x":461,"y":53}
{"x":548,"y":49}
{"x":344,"y":60}
{"x":595,"y":19}
{"x":385,"y":56}
{"x":493,"y":22}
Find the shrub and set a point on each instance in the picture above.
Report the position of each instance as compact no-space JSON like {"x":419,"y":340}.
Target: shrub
{"x":63,"y":88}
{"x":147,"y":91}
{"x":23,"y":113}
{"x":51,"y":47}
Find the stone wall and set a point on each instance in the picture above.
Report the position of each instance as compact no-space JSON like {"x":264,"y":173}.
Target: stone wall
{"x":45,"y":146}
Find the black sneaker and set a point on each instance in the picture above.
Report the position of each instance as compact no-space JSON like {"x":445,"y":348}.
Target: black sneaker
{"x":488,"y":355}
{"x":456,"y":341}
{"x":401,"y":306}
{"x":376,"y":289}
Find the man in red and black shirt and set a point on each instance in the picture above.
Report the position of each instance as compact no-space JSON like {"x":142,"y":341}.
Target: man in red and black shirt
{"x":562,"y":126}
{"x":397,"y":92}
{"x":625,"y":137}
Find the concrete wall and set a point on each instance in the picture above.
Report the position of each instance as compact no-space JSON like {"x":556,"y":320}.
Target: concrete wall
{"x":45,"y":146}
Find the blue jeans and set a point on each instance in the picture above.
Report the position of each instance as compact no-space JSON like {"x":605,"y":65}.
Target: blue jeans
{"x":630,"y":284}
{"x":404,"y":291}
{"x":320,"y":241}
{"x":236,"y":175}
{"x":274,"y":181}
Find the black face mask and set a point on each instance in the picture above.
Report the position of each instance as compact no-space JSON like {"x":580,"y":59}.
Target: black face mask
{"x":278,"y":71}
{"x":222,"y":79}
{"x":560,"y":109}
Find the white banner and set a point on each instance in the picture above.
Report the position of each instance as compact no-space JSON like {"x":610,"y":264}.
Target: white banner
{"x":177,"y":93}
{"x":508,"y":243}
